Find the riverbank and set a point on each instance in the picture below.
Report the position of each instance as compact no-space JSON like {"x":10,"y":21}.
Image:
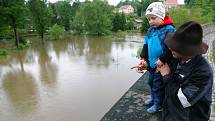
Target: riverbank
{"x":130,"y":106}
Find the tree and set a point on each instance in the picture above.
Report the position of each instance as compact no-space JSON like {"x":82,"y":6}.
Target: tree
{"x":94,"y":18}
{"x":194,"y":14}
{"x":54,"y":15}
{"x":145,"y":24}
{"x":56,"y":32}
{"x":12,"y":14}
{"x":119,"y":22}
{"x":75,"y":7}
{"x":40,"y":15}
{"x":207,"y":7}
{"x":64,"y":12}
{"x":130,"y":21}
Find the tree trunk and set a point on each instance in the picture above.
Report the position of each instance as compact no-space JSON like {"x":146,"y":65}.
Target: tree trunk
{"x":16,"y":37}
{"x":42,"y":38}
{"x":21,"y":62}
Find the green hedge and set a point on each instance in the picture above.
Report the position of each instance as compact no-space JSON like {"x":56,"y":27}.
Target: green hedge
{"x":184,"y":14}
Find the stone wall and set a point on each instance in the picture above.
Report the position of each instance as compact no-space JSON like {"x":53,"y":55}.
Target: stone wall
{"x":209,"y":38}
{"x":208,"y":28}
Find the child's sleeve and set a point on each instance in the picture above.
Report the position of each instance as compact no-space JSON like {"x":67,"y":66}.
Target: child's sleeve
{"x":144,"y":52}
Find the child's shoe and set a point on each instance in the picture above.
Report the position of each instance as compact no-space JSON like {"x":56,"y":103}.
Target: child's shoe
{"x":153,"y":109}
{"x":148,"y":101}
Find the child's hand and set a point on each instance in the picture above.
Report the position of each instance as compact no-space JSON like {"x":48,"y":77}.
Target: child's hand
{"x":140,"y":67}
{"x":164,"y":70}
{"x":159,"y":63}
{"x":142,"y":62}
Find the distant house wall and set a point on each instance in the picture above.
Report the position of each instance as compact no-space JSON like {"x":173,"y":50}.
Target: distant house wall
{"x":138,"y":23}
{"x":126,"y":9}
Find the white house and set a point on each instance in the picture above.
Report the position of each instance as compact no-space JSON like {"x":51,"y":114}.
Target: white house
{"x":127,"y":9}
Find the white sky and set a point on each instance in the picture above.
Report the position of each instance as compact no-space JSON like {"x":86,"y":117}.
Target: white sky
{"x":113,"y":2}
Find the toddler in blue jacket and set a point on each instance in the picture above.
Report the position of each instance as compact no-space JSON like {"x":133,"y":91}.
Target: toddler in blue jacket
{"x":153,"y":52}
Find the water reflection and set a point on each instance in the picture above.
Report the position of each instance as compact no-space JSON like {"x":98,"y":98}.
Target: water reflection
{"x":21,"y":90}
{"x":48,"y":69}
{"x":98,"y":51}
{"x":76,"y":46}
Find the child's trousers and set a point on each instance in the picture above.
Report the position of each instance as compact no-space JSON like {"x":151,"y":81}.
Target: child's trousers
{"x":157,"y":87}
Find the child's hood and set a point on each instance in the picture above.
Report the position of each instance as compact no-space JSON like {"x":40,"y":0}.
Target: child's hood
{"x":167,"y":20}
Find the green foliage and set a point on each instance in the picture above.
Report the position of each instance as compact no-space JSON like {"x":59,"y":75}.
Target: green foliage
{"x":199,"y":3}
{"x":64,"y":12}
{"x":5,"y":31}
{"x":139,"y":8}
{"x":119,"y":22}
{"x":138,"y":52}
{"x":56,"y":32}
{"x":93,"y":18}
{"x":130,"y":21}
{"x":145,"y":25}
{"x":207,"y":6}
{"x":23,"y":46}
{"x":79,"y":23}
{"x":23,"y":43}
{"x":12,"y":13}
{"x":3,"y":52}
{"x":41,"y":16}
{"x":194,"y":14}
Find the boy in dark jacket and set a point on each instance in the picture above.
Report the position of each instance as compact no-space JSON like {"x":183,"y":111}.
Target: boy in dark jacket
{"x":188,"y":77}
{"x":153,"y":49}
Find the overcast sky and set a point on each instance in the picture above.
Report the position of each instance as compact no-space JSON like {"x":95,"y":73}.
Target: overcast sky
{"x":113,"y":2}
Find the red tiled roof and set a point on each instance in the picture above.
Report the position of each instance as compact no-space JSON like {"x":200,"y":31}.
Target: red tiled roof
{"x":171,"y":2}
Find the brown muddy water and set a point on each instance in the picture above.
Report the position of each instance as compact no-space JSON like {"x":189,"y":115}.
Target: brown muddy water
{"x":78,"y":79}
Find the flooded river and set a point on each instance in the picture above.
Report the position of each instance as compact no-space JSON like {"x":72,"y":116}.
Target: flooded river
{"x":78,"y":79}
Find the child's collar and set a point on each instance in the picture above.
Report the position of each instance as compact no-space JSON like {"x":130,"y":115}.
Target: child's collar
{"x":167,"y":20}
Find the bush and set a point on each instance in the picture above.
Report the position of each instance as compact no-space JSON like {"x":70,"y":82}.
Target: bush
{"x":23,"y":46}
{"x":6,"y":31}
{"x":56,"y":32}
{"x":145,"y":25}
{"x":138,"y":52}
{"x":183,"y":14}
{"x":3,"y":52}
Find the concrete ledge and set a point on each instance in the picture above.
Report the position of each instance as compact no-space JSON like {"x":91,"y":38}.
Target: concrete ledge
{"x":130,"y":106}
